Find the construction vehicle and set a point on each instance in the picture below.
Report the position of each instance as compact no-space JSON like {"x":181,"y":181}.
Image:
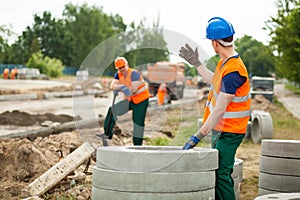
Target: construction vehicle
{"x":172,"y":74}
{"x":201,"y":83}
{"x":263,"y":86}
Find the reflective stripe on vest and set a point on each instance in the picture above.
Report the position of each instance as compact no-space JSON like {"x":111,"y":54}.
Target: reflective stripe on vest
{"x":142,"y":87}
{"x":229,"y":115}
{"x":142,"y":92}
{"x":236,"y":99}
{"x":238,"y":111}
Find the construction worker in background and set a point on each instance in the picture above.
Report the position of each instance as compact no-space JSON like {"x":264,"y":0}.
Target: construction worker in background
{"x":227,"y":109}
{"x":13,"y":73}
{"x":161,"y":93}
{"x":5,"y":73}
{"x":16,"y":73}
{"x":132,"y":84}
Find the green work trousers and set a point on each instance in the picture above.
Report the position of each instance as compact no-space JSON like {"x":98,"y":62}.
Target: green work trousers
{"x":226,"y":144}
{"x":138,"y":116}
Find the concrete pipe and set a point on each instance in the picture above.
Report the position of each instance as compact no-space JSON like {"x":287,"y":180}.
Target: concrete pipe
{"x":237,"y":176}
{"x":279,"y":166}
{"x":279,"y":196}
{"x":279,"y":183}
{"x":262,"y":126}
{"x":154,"y":172}
{"x":157,"y":182}
{"x":281,"y":148}
{"x":238,"y":169}
{"x":101,"y":194}
{"x":156,"y":159}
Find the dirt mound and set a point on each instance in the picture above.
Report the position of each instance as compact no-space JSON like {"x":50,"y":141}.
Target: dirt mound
{"x":259,"y":102}
{"x":22,"y":161}
{"x":18,"y":118}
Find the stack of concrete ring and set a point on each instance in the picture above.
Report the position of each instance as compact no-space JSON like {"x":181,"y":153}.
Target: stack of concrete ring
{"x":281,"y":196}
{"x":237,"y":176}
{"x":154,"y":172}
{"x":279,"y":167}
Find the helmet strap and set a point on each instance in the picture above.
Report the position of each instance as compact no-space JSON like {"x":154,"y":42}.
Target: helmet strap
{"x":225,"y":44}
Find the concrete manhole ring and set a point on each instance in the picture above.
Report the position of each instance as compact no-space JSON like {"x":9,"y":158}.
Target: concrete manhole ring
{"x":156,"y":159}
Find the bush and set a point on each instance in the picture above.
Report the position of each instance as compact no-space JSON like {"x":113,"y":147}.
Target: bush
{"x":49,"y":66}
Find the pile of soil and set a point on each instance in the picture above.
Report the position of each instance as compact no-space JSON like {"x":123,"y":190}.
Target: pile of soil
{"x":22,"y":161}
{"x":18,"y":118}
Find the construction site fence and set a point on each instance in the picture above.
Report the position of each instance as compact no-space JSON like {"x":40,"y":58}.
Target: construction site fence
{"x":67,"y":70}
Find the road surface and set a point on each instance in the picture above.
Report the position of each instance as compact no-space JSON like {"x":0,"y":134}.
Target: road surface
{"x":290,"y":101}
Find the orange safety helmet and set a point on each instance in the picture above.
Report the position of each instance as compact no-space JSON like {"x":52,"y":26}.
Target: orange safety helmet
{"x":120,"y":62}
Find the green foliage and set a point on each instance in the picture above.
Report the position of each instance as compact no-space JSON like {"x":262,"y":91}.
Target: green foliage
{"x":89,"y":26}
{"x":150,"y":45}
{"x":293,"y":88}
{"x":212,"y":62}
{"x":190,"y":70}
{"x":184,"y":133}
{"x":158,"y":141}
{"x":5,"y":33}
{"x":74,"y":37}
{"x":286,"y":126}
{"x":257,"y":57}
{"x":285,"y":32}
{"x":49,"y":66}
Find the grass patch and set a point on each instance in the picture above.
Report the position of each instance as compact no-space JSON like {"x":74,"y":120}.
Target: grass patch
{"x":249,"y":184}
{"x":292,"y":88}
{"x":285,"y":125}
{"x":184,"y":133}
{"x":158,"y":141}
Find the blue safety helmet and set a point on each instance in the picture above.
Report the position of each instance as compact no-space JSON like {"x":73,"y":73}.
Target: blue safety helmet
{"x":219,"y":28}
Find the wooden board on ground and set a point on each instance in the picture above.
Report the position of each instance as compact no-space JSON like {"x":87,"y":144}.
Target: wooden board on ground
{"x":59,"y":171}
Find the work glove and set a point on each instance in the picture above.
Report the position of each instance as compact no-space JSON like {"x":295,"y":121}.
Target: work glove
{"x":190,"y":55}
{"x":193,"y":141}
{"x":126,"y":90}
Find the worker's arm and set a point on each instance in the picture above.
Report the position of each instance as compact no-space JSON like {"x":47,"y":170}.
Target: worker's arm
{"x":192,"y":57}
{"x":205,"y":73}
{"x":216,"y":115}
{"x":135,"y":82}
{"x":134,"y":87}
{"x":115,"y":85}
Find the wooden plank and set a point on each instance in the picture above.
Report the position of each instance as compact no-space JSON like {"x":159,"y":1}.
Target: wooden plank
{"x":59,"y":171}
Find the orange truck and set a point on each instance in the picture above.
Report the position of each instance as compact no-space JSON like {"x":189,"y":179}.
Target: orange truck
{"x":171,"y":74}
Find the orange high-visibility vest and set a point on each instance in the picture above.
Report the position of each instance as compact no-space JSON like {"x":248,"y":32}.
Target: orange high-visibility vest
{"x":5,"y":73}
{"x":238,"y":111}
{"x":161,"y":93}
{"x":13,"y":74}
{"x":142,"y":90}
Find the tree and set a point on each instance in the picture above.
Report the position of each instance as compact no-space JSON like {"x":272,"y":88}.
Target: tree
{"x":5,"y":34}
{"x":148,"y":44}
{"x":285,"y":32}
{"x":53,"y":39}
{"x":87,"y":37}
{"x":49,"y":66}
{"x":47,"y":35}
{"x":90,"y":26}
{"x":257,"y":57}
{"x":212,"y":62}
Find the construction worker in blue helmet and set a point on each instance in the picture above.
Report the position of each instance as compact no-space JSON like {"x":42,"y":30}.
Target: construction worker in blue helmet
{"x":227,"y":110}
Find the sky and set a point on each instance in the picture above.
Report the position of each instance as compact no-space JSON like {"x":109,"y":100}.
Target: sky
{"x":187,"y":17}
